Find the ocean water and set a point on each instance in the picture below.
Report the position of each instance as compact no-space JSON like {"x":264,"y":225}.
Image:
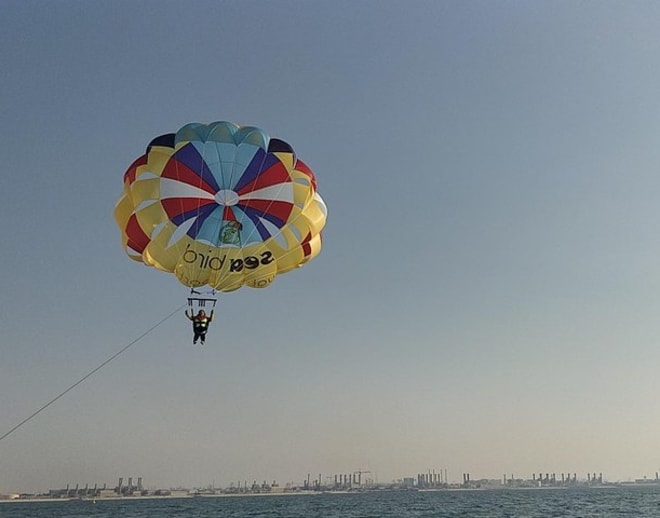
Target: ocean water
{"x":636,"y":502}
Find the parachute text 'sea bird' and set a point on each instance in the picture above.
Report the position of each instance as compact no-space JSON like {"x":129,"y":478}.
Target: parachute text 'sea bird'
{"x":221,"y":205}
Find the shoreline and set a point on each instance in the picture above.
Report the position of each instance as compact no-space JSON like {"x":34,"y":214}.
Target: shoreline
{"x":95,"y":500}
{"x":155,"y":497}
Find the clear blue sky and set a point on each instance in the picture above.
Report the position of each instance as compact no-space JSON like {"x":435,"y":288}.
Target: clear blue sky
{"x":487,"y":298}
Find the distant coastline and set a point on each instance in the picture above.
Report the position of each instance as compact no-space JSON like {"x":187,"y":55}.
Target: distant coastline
{"x":193,"y":494}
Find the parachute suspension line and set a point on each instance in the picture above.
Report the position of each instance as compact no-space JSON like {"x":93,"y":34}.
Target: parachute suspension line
{"x":270,"y":204}
{"x":221,"y":186}
{"x":238,"y":173}
{"x":199,"y":186}
{"x":178,"y":244}
{"x":90,"y":373}
{"x":204,"y":155}
{"x":233,"y":169}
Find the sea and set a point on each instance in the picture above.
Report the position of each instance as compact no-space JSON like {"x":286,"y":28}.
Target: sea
{"x":634,"y":501}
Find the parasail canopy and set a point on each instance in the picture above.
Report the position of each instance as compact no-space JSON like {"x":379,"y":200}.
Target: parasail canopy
{"x":221,"y":205}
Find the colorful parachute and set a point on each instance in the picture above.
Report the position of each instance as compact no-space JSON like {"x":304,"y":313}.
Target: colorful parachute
{"x":221,"y":205}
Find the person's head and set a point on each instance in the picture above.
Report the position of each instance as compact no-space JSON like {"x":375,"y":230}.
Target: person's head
{"x":201,"y":313}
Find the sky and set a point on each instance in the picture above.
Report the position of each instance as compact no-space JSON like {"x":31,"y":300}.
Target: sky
{"x":486,"y":299}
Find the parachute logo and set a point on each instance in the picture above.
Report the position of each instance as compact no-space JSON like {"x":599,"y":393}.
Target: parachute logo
{"x":230,"y":233}
{"x":237,"y":202}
